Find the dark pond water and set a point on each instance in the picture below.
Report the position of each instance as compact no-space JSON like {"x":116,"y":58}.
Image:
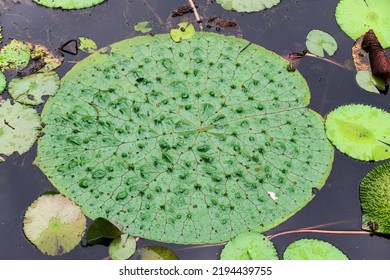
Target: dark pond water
{"x":281,"y":29}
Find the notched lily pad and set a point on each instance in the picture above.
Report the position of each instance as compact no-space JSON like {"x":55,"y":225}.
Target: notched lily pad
{"x":122,"y":247}
{"x":19,"y":128}
{"x":30,"y":89}
{"x":184,"y":32}
{"x":15,"y":55}
{"x":156,"y":253}
{"x":360,"y":131}
{"x":318,"y":41}
{"x":193,"y":153}
{"x":87,"y":45}
{"x":375,"y":199}
{"x":54,"y":224}
{"x":313,"y":249}
{"x":68,"y":4}
{"x":102,"y":230}
{"x":247,"y":5}
{"x":356,"y":17}
{"x":143,"y":27}
{"x":367,"y":81}
{"x":249,"y":246}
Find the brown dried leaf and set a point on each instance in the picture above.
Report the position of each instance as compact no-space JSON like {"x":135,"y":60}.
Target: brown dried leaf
{"x":360,"y":57}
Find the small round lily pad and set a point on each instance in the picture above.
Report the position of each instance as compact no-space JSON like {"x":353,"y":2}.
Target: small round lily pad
{"x":249,"y":246}
{"x":156,"y":253}
{"x":15,"y":55}
{"x":318,"y":41}
{"x":313,"y":249}
{"x":143,"y":27}
{"x":184,"y":32}
{"x":375,"y":199}
{"x":19,"y":128}
{"x":360,"y":131}
{"x":68,"y":4}
{"x":54,"y":224}
{"x":247,"y":5}
{"x":87,"y":45}
{"x":123,"y":247}
{"x":30,"y":89}
{"x":356,"y":17}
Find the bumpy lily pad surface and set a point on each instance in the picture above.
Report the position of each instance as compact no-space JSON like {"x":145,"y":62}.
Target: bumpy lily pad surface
{"x":69,"y":4}
{"x":19,"y":128}
{"x":360,"y":131}
{"x":54,"y":224}
{"x":29,"y":90}
{"x":375,"y":199}
{"x":313,"y":249}
{"x":183,"y":142}
{"x":356,"y":17}
{"x":248,"y":5}
{"x":249,"y":246}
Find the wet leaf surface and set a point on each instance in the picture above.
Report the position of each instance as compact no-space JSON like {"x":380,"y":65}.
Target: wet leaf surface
{"x":123,"y":247}
{"x":247,"y":5}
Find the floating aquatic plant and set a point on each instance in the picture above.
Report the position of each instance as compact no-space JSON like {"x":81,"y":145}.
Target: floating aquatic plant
{"x":360,"y":131}
{"x":318,"y":41}
{"x":184,"y":142}
{"x":142,"y":27}
{"x":3,"y":82}
{"x":19,"y":128}
{"x":375,"y":199}
{"x":122,"y":247}
{"x":156,"y":253}
{"x":367,"y":81}
{"x":15,"y":55}
{"x":30,"y":89}
{"x":87,"y":45}
{"x":54,"y":224}
{"x":42,"y":55}
{"x":356,"y":17}
{"x":101,"y":230}
{"x":68,"y":4}
{"x":249,"y":246}
{"x":247,"y":5}
{"x":184,"y":32}
{"x":313,"y":249}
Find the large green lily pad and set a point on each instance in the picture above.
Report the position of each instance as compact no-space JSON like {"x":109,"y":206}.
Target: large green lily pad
{"x":185,"y":142}
{"x":375,"y":199}
{"x":248,"y":5}
{"x":68,"y":4}
{"x":356,"y":17}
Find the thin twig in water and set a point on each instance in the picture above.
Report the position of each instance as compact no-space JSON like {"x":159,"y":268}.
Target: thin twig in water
{"x":320,"y":231}
{"x":325,"y":59}
{"x":198,"y":20}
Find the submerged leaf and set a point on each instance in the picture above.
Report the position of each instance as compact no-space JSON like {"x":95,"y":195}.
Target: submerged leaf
{"x":54,"y":224}
{"x":68,"y":4}
{"x":312,"y":249}
{"x":247,"y":5}
{"x":19,"y":128}
{"x":356,"y":17}
{"x":249,"y":246}
{"x":360,"y":131}
{"x":87,"y":45}
{"x":317,"y":41}
{"x":184,"y":32}
{"x":183,"y":142}
{"x":123,"y":247}
{"x":100,"y":230}
{"x":157,"y":253}
{"x":367,"y":81}
{"x":29,"y":90}
{"x":375,"y":199}
{"x":142,"y":27}
{"x":15,"y":55}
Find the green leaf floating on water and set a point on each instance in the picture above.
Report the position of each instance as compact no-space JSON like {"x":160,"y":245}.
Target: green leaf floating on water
{"x":3,"y":82}
{"x":100,"y":230}
{"x":317,"y":41}
{"x":15,"y":55}
{"x":142,"y":27}
{"x":54,"y":224}
{"x":68,"y":4}
{"x":184,"y":32}
{"x":87,"y":45}
{"x":313,"y":249}
{"x":156,"y":253}
{"x":360,"y":131}
{"x":367,"y":81}
{"x":185,"y":142}
{"x":356,"y":17}
{"x":375,"y":199}
{"x":122,"y":247}
{"x":247,"y":5}
{"x":29,"y":90}
{"x":249,"y":246}
{"x":19,"y":128}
